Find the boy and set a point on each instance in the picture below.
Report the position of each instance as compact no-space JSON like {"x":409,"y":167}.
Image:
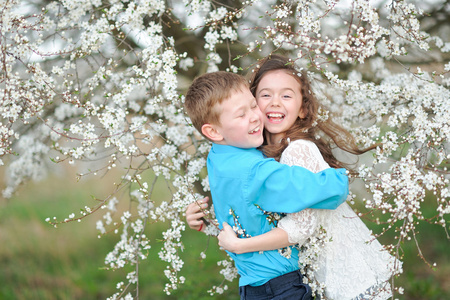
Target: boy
{"x":244,"y":184}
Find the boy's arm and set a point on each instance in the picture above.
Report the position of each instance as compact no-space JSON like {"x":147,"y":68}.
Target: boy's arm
{"x":274,"y":239}
{"x":280,"y":188}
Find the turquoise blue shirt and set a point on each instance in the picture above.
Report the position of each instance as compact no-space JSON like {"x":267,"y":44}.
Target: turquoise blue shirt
{"x":242,"y":179}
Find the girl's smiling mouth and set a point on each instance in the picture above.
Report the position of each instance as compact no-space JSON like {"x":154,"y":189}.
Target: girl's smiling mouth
{"x":275,"y":117}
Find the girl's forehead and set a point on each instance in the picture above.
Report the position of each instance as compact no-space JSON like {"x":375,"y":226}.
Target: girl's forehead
{"x":281,"y":72}
{"x":287,"y":77}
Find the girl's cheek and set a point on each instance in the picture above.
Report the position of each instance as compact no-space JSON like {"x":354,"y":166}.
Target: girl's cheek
{"x":260,"y":104}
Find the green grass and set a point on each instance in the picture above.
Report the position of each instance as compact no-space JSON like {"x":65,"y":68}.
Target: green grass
{"x":38,"y":261}
{"x":419,"y":280}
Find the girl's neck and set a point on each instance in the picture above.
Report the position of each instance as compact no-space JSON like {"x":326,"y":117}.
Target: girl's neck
{"x":274,"y":138}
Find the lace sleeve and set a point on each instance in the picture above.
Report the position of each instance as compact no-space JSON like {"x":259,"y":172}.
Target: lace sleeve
{"x":301,"y":225}
{"x":305,"y":154}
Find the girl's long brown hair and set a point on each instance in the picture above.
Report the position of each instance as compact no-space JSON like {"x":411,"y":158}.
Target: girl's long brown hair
{"x":307,"y":128}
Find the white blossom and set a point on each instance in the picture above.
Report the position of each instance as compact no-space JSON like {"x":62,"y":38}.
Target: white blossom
{"x":101,"y":88}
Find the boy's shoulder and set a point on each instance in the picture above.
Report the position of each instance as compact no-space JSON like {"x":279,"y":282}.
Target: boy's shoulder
{"x":227,"y":150}
{"x":234,"y":156}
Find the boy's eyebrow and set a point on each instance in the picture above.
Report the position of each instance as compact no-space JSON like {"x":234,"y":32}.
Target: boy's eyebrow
{"x":243,"y":106}
{"x":238,"y":108}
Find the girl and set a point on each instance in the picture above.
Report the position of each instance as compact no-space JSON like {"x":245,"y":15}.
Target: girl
{"x":340,"y":257}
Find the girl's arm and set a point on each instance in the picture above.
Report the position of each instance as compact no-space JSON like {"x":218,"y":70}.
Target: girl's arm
{"x":274,"y":239}
{"x":195,"y":213}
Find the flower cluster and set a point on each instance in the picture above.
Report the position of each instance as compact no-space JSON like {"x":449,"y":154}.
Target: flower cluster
{"x":229,"y":273}
{"x":308,"y":256}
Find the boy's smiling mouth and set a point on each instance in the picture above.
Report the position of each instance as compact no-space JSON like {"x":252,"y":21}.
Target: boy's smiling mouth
{"x":256,"y":130}
{"x":275,"y":117}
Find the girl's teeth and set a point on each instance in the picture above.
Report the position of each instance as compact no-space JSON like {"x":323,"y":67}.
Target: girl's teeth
{"x":275,"y":115}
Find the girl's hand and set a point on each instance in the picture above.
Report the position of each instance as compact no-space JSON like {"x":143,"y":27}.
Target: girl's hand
{"x":228,"y":239}
{"x":195,"y":212}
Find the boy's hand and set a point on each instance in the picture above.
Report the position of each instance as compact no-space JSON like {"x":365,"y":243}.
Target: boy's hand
{"x":195,"y":212}
{"x":228,"y":239}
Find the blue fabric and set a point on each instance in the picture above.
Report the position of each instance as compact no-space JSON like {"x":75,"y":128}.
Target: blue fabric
{"x":285,"y":287}
{"x":242,"y":179}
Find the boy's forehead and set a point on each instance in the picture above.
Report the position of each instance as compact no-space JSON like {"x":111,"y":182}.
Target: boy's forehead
{"x":239,"y":97}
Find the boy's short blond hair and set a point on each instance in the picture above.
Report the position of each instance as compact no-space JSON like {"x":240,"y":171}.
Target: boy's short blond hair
{"x":207,"y":92}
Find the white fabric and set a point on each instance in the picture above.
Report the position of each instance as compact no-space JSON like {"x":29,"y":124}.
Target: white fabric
{"x":352,"y":262}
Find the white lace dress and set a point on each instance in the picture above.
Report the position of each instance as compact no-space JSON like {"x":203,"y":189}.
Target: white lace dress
{"x":351,"y":263}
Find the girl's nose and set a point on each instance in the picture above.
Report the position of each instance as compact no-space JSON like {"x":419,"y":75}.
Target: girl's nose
{"x":275,"y":101}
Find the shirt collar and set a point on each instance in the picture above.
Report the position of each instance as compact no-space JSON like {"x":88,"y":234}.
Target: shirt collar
{"x":217,"y":148}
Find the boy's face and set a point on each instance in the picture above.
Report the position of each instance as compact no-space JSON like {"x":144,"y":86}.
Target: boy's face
{"x":240,"y":121}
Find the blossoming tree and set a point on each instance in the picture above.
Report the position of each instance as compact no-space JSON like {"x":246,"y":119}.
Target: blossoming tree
{"x":103,"y":81}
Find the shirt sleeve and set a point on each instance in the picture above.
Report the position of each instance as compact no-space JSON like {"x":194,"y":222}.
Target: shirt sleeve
{"x":281,"y":188}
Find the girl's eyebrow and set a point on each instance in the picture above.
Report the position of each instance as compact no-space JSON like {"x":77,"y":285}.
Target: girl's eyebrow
{"x":282,"y":89}
{"x":264,"y":89}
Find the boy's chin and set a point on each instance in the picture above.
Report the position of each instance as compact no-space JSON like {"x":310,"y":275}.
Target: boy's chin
{"x":259,"y":142}
{"x":253,"y":144}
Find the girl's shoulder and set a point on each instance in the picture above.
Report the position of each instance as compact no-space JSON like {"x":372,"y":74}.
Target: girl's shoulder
{"x":302,"y":144}
{"x":304,"y":153}
{"x":304,"y":148}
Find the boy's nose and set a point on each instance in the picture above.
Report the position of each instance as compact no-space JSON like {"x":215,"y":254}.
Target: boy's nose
{"x":256,"y":116}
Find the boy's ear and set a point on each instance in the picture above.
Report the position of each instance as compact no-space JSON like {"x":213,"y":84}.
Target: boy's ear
{"x":211,"y":132}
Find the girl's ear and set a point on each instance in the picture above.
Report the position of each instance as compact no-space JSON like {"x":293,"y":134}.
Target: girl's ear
{"x":211,"y":132}
{"x":302,"y":113}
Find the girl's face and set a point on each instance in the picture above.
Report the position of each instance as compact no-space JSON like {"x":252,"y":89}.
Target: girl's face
{"x":279,"y":97}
